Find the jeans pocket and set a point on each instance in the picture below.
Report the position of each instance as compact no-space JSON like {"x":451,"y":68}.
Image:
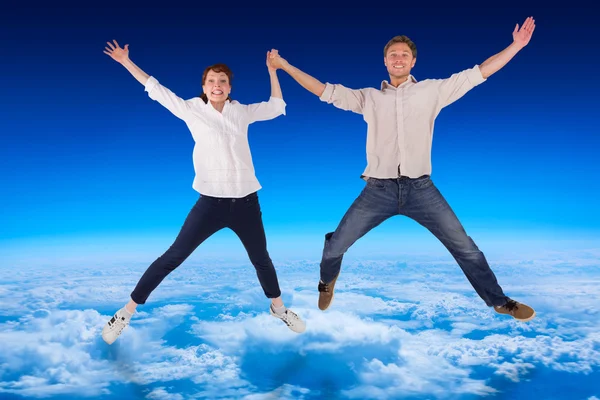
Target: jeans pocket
{"x":376,"y":183}
{"x":251,"y":201}
{"x":251,"y":198}
{"x":422,"y":183}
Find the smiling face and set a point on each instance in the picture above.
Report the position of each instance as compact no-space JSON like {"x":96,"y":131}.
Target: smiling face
{"x":216,"y":86}
{"x":399,"y":60}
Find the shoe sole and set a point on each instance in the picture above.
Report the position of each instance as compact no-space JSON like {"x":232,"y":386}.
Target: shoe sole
{"x":519,"y":319}
{"x":527,"y":319}
{"x":107,"y":341}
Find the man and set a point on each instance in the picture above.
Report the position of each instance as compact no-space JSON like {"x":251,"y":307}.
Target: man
{"x":400,"y":118}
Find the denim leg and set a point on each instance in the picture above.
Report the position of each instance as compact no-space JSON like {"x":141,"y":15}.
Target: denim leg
{"x":246,"y":222}
{"x":202,"y":221}
{"x":376,"y":203}
{"x":426,"y":205}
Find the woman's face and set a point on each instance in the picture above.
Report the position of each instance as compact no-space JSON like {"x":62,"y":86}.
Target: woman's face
{"x":216,"y":86}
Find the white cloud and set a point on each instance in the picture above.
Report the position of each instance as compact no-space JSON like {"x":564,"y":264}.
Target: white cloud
{"x":160,"y":393}
{"x":201,"y":364}
{"x":514,"y":370}
{"x":553,"y":352}
{"x":416,"y":375}
{"x":55,"y":350}
{"x":173,"y":310}
{"x":285,"y":392}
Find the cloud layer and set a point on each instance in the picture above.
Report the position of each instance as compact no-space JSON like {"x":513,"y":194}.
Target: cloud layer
{"x":416,"y":329}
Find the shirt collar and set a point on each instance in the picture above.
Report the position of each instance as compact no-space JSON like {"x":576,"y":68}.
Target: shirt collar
{"x":226,"y":105}
{"x":385,"y":84}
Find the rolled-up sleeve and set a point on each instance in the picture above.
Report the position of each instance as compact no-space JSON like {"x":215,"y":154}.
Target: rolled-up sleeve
{"x":457,"y":85}
{"x":344,"y":98}
{"x":179,"y":107}
{"x":266,"y":110}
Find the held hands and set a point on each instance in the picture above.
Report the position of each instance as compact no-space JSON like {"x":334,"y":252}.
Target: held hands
{"x":522,"y":36}
{"x":274,"y":60}
{"x":116,"y":52}
{"x":270,"y":55}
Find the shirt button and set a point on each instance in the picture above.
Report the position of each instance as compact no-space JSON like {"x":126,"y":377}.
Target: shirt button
{"x":233,"y":200}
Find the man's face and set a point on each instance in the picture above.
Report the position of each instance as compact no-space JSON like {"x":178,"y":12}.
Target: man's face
{"x":399,"y":60}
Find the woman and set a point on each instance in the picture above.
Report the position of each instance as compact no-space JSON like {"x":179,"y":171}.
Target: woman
{"x":224,"y":178}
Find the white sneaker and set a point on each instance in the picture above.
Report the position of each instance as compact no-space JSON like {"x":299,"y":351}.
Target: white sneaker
{"x":116,"y":325}
{"x":291,"y":319}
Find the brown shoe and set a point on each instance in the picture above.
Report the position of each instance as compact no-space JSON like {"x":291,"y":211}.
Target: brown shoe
{"x":326,"y":293}
{"x":519,"y":311}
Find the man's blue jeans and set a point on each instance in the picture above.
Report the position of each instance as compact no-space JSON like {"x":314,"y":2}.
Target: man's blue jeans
{"x":420,"y":200}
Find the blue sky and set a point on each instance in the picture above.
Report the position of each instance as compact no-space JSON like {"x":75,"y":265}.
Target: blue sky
{"x":89,"y":158}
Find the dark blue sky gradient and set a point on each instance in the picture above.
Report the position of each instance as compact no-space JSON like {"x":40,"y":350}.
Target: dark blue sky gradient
{"x":86,"y":152}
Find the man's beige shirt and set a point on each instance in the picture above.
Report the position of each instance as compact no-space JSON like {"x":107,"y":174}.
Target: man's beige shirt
{"x":400,"y":120}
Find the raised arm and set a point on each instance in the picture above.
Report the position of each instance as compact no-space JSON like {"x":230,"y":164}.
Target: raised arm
{"x":309,"y":83}
{"x":275,"y":86}
{"x":338,"y":95}
{"x":178,"y":106}
{"x":121,"y":55}
{"x":273,"y":108}
{"x":521,"y":38}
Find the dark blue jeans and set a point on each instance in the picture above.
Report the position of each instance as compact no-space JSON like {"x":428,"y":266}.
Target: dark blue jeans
{"x":420,"y":200}
{"x":209,"y":215}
